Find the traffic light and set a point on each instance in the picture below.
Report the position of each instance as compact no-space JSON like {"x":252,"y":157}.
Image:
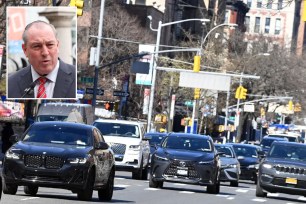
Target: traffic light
{"x":238,"y":90}
{"x":197,"y":93}
{"x":290,"y":105}
{"x":79,"y":4}
{"x":196,"y":63}
{"x":243,"y":93}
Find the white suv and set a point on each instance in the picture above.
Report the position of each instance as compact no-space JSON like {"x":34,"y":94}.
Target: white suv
{"x":126,"y":138}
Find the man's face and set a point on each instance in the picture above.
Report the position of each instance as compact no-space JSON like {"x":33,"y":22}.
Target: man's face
{"x":41,"y":48}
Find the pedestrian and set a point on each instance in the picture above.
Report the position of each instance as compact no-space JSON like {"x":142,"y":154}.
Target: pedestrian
{"x":6,"y":133}
{"x":47,"y":76}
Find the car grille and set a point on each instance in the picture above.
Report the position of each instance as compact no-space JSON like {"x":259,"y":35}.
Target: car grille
{"x":175,"y":164}
{"x":48,"y":162}
{"x":118,"y":148}
{"x":287,"y":169}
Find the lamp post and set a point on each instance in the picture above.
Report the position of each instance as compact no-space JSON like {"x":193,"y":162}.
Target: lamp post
{"x":155,"y":56}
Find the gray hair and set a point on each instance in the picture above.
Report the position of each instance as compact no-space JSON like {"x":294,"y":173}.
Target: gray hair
{"x":36,"y":23}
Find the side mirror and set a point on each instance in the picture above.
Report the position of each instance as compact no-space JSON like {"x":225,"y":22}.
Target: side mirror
{"x":102,"y":146}
{"x":14,"y":138}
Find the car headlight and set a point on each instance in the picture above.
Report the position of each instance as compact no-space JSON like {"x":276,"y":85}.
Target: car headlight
{"x":267,"y":166}
{"x":254,"y":166}
{"x":134,"y":147}
{"x":232,"y":165}
{"x":10,"y":154}
{"x":77,"y":160}
{"x":161,"y":158}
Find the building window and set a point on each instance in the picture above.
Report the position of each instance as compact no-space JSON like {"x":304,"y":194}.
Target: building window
{"x":249,"y":3}
{"x":277,"y":26}
{"x":259,"y":3}
{"x":257,"y":25}
{"x":267,"y":25}
{"x":280,"y":4}
{"x":269,"y":4}
{"x":247,"y":23}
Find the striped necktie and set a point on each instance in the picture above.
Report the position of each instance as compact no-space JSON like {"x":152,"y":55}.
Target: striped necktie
{"x":41,"y":93}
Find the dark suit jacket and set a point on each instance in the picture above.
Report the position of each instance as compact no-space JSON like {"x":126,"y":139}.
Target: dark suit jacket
{"x":65,"y":86}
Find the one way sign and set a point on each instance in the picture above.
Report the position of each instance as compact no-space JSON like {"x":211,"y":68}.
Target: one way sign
{"x":121,"y":93}
{"x":98,"y":92}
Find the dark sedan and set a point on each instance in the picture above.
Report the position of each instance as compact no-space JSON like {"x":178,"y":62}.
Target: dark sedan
{"x":267,"y":141}
{"x":230,"y":167}
{"x":248,"y":157}
{"x":64,"y":155}
{"x":186,"y":158}
{"x":283,"y":170}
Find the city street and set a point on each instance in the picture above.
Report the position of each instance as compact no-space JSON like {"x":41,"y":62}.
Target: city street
{"x":137,"y":191}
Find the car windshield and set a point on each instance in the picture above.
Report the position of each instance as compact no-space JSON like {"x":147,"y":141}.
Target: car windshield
{"x":266,"y":142}
{"x":226,"y":150}
{"x":290,"y":138}
{"x":187,"y":143}
{"x":156,"y":139}
{"x":118,"y":129}
{"x":245,"y":151}
{"x":56,"y":134}
{"x":293,"y":152}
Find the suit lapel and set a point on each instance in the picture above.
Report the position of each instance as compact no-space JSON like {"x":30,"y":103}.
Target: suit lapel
{"x":24,"y":82}
{"x":63,"y":81}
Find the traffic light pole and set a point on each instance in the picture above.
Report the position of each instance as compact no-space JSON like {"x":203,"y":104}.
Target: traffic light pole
{"x":94,"y":97}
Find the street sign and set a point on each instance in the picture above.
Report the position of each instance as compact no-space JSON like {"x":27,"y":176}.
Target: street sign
{"x":121,"y":93}
{"x":91,"y":90}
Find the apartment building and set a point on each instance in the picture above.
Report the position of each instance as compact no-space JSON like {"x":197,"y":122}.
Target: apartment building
{"x":271,"y":19}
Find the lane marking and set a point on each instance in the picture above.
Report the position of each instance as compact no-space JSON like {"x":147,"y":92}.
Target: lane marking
{"x":152,"y":189}
{"x":180,"y":184}
{"x":118,"y":178}
{"x":224,"y":196}
{"x":242,"y":190}
{"x":230,"y":198}
{"x":259,"y":200}
{"x":186,"y":192}
{"x":273,"y":194}
{"x":30,"y":198}
{"x":302,"y":198}
{"x":121,"y":186}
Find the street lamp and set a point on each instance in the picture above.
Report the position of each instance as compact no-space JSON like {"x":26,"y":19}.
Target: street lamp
{"x":160,"y":25}
{"x":214,"y":28}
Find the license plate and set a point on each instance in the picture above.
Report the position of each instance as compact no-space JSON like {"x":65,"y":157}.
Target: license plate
{"x":182,"y":172}
{"x":291,"y":180}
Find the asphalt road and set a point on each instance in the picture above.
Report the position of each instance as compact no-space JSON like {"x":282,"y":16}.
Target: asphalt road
{"x":137,"y":191}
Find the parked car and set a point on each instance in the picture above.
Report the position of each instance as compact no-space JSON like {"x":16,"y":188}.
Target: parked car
{"x":64,"y":155}
{"x":230,"y":166}
{"x":248,"y":156}
{"x":154,"y":140}
{"x":186,"y":158}
{"x":131,"y":148}
{"x":283,"y":170}
{"x":267,"y":141}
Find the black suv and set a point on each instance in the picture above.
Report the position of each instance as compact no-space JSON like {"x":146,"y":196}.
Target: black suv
{"x":64,"y":155}
{"x":283,"y":170}
{"x":186,"y":158}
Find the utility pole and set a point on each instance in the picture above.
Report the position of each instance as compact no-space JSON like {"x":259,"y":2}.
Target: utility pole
{"x":94,"y":97}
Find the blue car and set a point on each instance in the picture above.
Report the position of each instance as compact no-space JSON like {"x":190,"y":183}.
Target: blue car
{"x":267,"y":141}
{"x":154,"y":140}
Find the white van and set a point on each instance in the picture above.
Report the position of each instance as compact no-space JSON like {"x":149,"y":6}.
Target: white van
{"x":126,"y":138}
{"x":73,"y":112}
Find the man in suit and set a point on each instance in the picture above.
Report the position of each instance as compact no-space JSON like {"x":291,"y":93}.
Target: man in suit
{"x":47,"y":76}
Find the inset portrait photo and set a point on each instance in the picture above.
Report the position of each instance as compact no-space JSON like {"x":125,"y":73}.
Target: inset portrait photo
{"x":41,"y":53}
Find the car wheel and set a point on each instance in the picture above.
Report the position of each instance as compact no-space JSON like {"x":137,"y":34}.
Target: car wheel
{"x":30,"y":190}
{"x":9,"y":188}
{"x":259,"y":191}
{"x":155,"y":184}
{"x":215,"y":188}
{"x":106,"y":194}
{"x":86,"y":194}
{"x":138,"y":173}
{"x":234,"y":183}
